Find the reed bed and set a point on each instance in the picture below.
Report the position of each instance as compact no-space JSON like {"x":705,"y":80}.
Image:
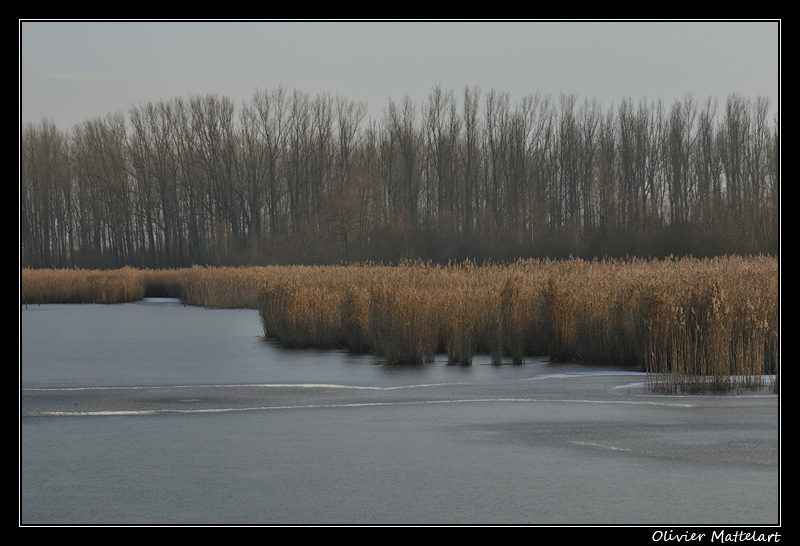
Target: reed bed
{"x":39,"y":286}
{"x":225,"y":287}
{"x":217,"y":287}
{"x":713,"y":326}
{"x":693,"y":325}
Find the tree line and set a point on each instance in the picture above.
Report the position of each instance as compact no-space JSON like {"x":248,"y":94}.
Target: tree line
{"x":290,"y":177}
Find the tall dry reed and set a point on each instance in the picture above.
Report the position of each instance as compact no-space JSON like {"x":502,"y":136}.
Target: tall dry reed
{"x":38,"y":286}
{"x":714,"y":326}
{"x":225,"y":287}
{"x":693,"y":325}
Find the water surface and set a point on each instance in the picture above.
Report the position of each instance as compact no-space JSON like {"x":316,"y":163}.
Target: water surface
{"x":157,"y":413}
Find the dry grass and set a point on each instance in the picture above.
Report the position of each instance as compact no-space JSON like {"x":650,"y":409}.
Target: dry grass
{"x":693,"y":325}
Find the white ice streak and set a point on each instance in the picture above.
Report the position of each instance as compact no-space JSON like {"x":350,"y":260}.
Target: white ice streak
{"x":245,"y":385}
{"x":354,"y":405}
{"x":598,"y":446}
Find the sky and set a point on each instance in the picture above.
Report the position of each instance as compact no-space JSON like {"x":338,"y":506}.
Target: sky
{"x":71,"y":71}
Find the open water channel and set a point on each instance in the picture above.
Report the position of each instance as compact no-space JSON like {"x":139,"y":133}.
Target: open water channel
{"x":154,"y":413}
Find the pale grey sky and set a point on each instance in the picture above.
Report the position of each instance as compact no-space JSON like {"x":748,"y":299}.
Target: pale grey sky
{"x":71,"y":71}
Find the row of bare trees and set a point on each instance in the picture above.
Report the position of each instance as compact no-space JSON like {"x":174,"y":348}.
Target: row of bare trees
{"x":290,"y":177}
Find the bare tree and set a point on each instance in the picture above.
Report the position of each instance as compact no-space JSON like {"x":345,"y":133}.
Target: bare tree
{"x":589,"y":120}
{"x":497,"y":129}
{"x":679,"y":147}
{"x":470,"y":156}
{"x":195,"y":180}
{"x":404,"y":141}
{"x":441,"y":125}
{"x":268,"y":115}
{"x":46,"y":196}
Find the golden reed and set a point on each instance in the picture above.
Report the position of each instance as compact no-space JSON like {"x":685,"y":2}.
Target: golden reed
{"x":694,"y":325}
